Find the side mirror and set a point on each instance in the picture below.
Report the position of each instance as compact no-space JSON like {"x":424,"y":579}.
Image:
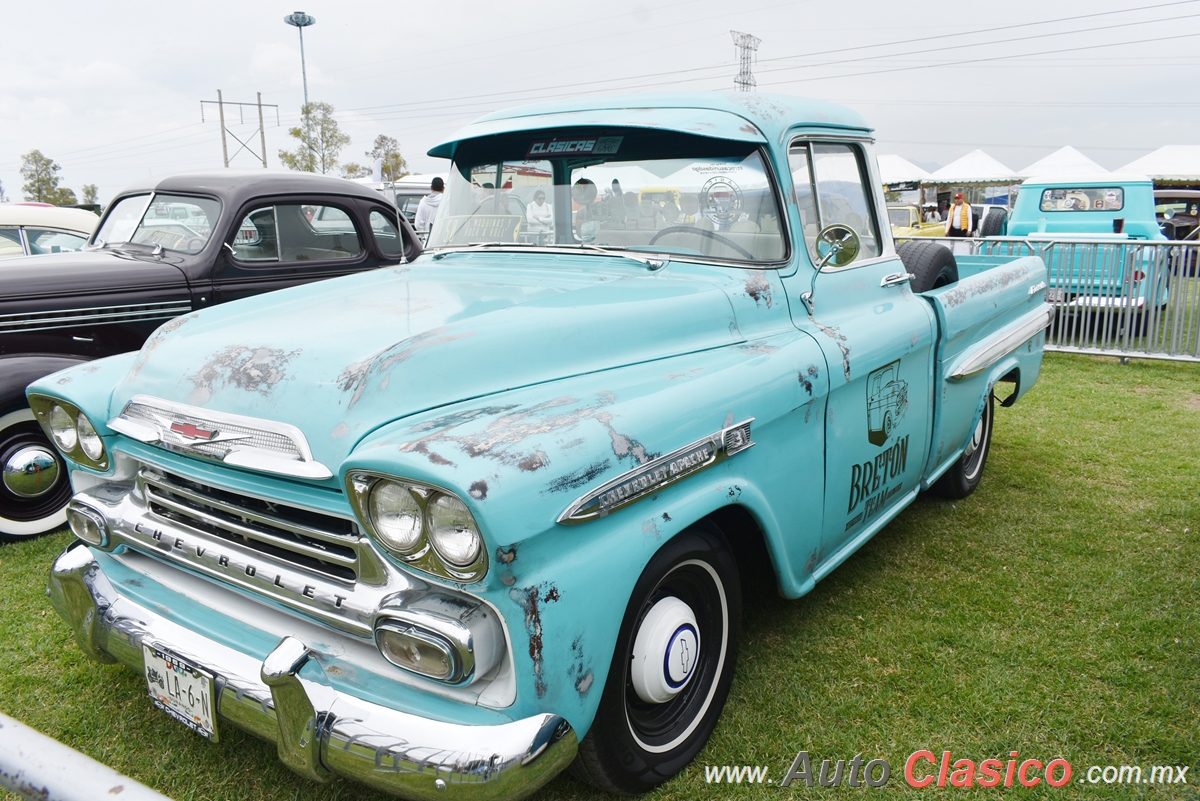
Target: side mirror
{"x":841,"y":246}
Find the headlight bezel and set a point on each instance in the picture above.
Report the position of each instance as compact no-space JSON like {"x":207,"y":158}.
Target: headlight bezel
{"x":43,"y":407}
{"x":424,"y":555}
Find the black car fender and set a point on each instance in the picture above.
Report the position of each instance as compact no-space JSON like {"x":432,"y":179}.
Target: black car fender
{"x":18,"y":372}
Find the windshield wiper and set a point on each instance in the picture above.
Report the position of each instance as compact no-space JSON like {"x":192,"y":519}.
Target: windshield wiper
{"x":615,"y":250}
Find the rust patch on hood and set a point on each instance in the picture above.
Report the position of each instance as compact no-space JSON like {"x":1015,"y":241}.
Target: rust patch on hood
{"x":247,"y":368}
{"x":355,"y":376}
{"x":155,"y":338}
{"x":534,"y":461}
{"x":530,"y":600}
{"x":839,"y":339}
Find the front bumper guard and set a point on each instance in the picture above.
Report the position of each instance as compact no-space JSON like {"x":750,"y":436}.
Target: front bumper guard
{"x":319,"y":731}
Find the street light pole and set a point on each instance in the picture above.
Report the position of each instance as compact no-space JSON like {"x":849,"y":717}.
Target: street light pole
{"x":300,"y":21}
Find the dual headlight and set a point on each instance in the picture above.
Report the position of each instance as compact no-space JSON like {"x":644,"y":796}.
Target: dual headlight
{"x":427,"y":527}
{"x":71,"y":430}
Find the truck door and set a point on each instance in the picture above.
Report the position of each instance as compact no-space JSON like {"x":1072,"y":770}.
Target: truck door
{"x":878,"y":341}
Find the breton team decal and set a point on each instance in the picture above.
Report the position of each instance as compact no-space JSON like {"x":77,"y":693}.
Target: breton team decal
{"x":874,"y":482}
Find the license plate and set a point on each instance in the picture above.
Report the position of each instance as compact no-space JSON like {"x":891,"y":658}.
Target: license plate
{"x":182,"y":690}
{"x":1055,"y":294}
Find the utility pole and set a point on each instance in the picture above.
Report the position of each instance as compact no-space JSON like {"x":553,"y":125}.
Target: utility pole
{"x":262,"y":128}
{"x":746,"y":45}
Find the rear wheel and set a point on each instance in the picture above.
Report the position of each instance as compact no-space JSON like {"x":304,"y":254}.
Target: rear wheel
{"x":932,"y":265}
{"x":34,"y":489}
{"x":963,"y":476}
{"x":672,"y":667}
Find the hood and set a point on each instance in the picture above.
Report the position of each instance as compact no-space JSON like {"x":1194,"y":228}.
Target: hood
{"x":83,"y":275}
{"x":340,"y":358}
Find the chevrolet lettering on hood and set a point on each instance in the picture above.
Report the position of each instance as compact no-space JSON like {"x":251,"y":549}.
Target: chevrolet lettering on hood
{"x":445,"y":527}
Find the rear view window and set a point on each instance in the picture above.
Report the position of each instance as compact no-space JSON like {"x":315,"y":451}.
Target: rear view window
{"x":1091,"y":198}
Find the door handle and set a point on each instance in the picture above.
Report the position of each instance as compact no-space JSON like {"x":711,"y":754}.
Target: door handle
{"x":896,"y":278}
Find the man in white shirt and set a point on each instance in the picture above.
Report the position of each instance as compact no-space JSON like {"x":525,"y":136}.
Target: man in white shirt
{"x":428,"y":207}
{"x":959,"y":220}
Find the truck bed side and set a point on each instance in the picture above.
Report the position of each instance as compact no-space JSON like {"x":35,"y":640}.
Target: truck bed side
{"x":991,"y":327}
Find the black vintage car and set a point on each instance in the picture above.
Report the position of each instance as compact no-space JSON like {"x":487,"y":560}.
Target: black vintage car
{"x":185,"y":243}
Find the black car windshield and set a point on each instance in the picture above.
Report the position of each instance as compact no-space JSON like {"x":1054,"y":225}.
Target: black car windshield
{"x":645,"y":191}
{"x":176,"y":222}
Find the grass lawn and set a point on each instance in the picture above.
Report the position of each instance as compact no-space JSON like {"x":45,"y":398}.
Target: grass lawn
{"x":1054,"y":613}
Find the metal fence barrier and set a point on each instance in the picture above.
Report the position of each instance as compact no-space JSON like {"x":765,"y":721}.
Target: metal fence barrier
{"x":40,"y":768}
{"x":1112,"y":297}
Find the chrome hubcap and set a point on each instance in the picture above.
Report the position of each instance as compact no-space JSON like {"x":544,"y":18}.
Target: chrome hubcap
{"x":31,"y":472}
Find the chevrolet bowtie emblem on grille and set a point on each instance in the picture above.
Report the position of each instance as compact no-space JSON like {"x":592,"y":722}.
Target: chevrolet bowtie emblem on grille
{"x":189,"y":431}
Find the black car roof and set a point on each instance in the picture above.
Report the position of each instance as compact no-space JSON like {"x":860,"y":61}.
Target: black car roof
{"x":236,"y":186}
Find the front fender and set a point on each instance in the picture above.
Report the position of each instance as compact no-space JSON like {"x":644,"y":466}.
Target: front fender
{"x":519,"y":460}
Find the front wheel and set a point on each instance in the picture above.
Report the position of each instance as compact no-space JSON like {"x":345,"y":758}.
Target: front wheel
{"x":963,"y":476}
{"x":34,"y":489}
{"x":672,"y":668}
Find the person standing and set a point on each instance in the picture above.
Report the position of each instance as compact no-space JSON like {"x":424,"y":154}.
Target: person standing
{"x":427,"y":209}
{"x":959,"y":220}
{"x":539,"y":214}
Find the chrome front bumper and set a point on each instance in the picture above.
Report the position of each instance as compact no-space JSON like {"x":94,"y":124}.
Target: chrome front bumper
{"x":319,"y":730}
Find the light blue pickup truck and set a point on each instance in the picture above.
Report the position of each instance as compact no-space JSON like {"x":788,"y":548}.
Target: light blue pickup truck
{"x":1092,"y":230}
{"x":450,"y":527}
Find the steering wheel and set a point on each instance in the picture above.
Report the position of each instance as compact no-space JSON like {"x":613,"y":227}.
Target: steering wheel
{"x":687,"y":229}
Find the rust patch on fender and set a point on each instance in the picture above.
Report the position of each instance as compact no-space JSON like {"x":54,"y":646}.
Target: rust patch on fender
{"x":506,"y":557}
{"x":250,"y":369}
{"x":581,"y":675}
{"x":839,"y":339}
{"x":436,"y":458}
{"x":530,"y":600}
{"x":578,"y":478}
{"x":994,"y":280}
{"x":759,"y":348}
{"x":478,"y":490}
{"x":758,"y":287}
{"x":534,"y":461}
{"x":623,"y":445}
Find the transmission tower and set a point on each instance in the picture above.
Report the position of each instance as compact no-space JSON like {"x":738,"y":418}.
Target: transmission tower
{"x":746,"y":45}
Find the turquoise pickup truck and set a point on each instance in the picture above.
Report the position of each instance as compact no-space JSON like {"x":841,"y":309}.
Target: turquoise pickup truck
{"x":1092,"y":231}
{"x":450,"y":527}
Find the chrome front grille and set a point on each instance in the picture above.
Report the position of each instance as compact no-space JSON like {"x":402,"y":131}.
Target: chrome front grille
{"x":320,"y":543}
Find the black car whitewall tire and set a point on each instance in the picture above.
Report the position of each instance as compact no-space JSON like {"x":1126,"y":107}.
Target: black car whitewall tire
{"x":636,"y":744}
{"x":23,"y":517}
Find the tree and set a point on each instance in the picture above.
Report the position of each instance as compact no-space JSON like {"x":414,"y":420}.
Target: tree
{"x":388,"y":149}
{"x":320,"y":141}
{"x":41,"y":180}
{"x":353,"y":170}
{"x":91,"y":194}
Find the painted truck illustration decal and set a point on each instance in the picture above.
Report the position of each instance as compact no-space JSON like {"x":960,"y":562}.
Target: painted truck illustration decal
{"x":887,"y":400}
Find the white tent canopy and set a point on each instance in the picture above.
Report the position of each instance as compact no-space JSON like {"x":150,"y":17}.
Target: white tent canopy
{"x":1064,"y":160}
{"x":976,"y":167}
{"x":898,"y":170}
{"x":1179,"y":163}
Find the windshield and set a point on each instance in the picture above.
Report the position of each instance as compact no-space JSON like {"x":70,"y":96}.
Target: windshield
{"x":645,"y":191}
{"x":176,"y":222}
{"x":899,"y":217}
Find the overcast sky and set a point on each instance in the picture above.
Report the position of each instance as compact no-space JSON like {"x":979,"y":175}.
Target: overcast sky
{"x":112,"y":91}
